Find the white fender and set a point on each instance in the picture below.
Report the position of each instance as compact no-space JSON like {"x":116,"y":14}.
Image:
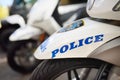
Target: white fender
{"x":25,"y":33}
{"x":16,"y":19}
{"x":77,"y":41}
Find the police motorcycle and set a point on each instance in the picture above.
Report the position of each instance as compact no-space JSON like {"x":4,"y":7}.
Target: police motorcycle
{"x":7,"y":26}
{"x":87,"y":49}
{"x":42,"y":14}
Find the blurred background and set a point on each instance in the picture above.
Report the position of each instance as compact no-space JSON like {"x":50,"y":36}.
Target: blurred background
{"x":8,"y":70}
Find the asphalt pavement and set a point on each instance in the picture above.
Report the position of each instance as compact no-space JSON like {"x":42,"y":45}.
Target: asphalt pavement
{"x":6,"y":73}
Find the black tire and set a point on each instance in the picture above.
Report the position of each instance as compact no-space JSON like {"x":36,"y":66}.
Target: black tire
{"x":51,"y":69}
{"x":15,"y":64}
{"x":4,"y":38}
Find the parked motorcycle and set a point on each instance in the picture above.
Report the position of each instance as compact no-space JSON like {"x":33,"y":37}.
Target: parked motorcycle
{"x":87,"y":49}
{"x":35,"y":32}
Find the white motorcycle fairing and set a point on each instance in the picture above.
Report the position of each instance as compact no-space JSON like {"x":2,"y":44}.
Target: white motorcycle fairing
{"x":41,"y":10}
{"x":16,"y":19}
{"x":25,"y":33}
{"x":76,"y":40}
{"x":38,"y":19}
{"x":63,"y":9}
{"x":29,"y":32}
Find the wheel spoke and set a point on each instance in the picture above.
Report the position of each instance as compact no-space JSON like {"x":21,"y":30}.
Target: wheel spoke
{"x":76,"y":74}
{"x":69,"y":75}
{"x":101,"y":71}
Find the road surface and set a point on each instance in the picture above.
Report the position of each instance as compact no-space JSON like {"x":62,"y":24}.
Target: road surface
{"x":6,"y":73}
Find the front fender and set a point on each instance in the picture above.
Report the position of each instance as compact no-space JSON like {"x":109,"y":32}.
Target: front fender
{"x":25,"y":33}
{"x":77,"y":42}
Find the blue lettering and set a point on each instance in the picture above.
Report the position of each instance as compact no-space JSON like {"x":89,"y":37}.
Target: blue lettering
{"x":54,"y":53}
{"x":80,"y":42}
{"x":99,"y":38}
{"x":89,"y":40}
{"x":63,"y":49}
{"x":72,"y":45}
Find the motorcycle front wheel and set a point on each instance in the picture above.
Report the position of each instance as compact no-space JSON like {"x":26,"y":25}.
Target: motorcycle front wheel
{"x":71,"y":69}
{"x":20,"y":56}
